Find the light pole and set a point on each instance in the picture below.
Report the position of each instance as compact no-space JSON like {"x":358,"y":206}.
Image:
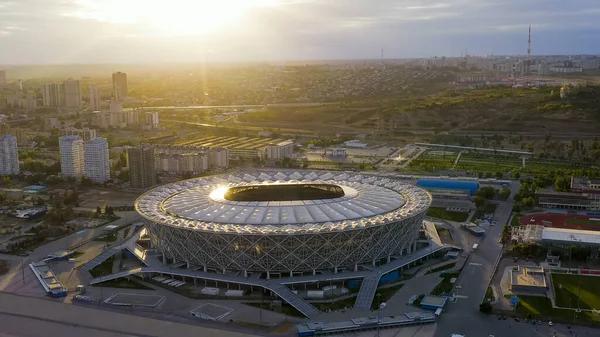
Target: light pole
{"x":23,"y":268}
{"x":378,"y":307}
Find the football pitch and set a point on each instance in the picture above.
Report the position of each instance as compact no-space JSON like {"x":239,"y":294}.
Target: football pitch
{"x":571,"y":291}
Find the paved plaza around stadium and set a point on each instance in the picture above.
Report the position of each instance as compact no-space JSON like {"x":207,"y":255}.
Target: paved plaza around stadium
{"x":134,"y":300}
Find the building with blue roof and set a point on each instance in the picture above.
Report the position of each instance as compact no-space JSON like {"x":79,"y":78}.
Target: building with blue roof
{"x":469,"y":187}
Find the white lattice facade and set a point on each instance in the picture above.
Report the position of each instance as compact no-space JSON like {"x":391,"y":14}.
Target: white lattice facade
{"x":376,"y":220}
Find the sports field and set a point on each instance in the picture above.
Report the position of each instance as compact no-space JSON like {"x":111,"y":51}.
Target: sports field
{"x":586,"y":288}
{"x":579,"y":221}
{"x":557,"y":220}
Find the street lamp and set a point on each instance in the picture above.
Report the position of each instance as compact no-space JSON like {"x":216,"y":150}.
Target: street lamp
{"x":378,"y":308}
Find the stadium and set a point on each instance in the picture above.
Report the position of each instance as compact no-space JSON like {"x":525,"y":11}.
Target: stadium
{"x":284,"y":223}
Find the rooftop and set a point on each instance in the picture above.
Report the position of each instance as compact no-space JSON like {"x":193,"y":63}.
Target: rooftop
{"x":434,"y":301}
{"x":528,"y":276}
{"x":571,"y":235}
{"x":202,"y":204}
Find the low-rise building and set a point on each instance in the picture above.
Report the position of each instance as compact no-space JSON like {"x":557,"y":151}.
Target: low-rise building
{"x":528,"y":280}
{"x":584,"y":195}
{"x":355,"y":143}
{"x":336,"y":152}
{"x":280,"y":150}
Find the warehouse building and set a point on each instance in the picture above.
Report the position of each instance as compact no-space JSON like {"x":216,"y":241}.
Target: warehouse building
{"x":439,"y":185}
{"x":559,"y":238}
{"x":565,"y":238}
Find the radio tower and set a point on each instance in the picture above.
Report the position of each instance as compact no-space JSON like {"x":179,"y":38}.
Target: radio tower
{"x":529,"y":45}
{"x":528,"y":74}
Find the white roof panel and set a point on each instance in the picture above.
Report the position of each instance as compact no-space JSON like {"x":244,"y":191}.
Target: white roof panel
{"x":367,"y":201}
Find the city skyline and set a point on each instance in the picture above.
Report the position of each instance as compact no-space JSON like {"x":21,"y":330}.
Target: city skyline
{"x":80,"y":31}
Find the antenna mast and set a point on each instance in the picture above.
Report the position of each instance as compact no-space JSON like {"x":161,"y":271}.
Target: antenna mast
{"x":529,"y":61}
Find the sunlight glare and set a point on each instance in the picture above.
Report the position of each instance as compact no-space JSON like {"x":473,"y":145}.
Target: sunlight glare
{"x":172,"y":17}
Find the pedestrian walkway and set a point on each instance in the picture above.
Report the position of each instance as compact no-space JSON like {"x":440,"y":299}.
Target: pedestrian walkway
{"x":365,"y":296}
{"x":460,"y":262}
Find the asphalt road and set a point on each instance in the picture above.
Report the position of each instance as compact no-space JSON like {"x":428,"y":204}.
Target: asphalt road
{"x":26,"y":316}
{"x":474,"y":280}
{"x":463,"y":317}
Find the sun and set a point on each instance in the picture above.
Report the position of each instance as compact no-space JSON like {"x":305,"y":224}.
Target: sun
{"x":170,"y":17}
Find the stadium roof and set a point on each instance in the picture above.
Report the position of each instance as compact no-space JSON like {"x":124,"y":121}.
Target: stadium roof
{"x":571,"y":236}
{"x":199,"y":204}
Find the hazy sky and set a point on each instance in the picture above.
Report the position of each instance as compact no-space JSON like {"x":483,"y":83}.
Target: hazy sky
{"x":123,"y":31}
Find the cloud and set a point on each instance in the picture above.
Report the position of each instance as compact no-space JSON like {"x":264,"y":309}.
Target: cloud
{"x":51,"y":31}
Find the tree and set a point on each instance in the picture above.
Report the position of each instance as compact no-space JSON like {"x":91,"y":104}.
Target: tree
{"x":504,"y":194}
{"x":86,"y":182}
{"x":529,"y":202}
{"x":6,"y":181}
{"x":479,"y":201}
{"x":486,"y":192}
{"x":485,"y":307}
{"x":499,"y":175}
{"x":98,"y":210}
{"x":72,"y":198}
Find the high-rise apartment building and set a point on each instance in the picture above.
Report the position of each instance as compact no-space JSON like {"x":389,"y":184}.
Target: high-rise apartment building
{"x":152,"y":119}
{"x":2,"y":77}
{"x":97,"y":164}
{"x":52,"y":94}
{"x":85,"y":134}
{"x":71,"y":156}
{"x":119,"y":80}
{"x":9,"y":158}
{"x":72,"y":93}
{"x":94,"y":98}
{"x":132,"y":117}
{"x":142,"y":169}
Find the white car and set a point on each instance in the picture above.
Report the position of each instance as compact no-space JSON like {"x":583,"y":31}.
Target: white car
{"x":550,"y":323}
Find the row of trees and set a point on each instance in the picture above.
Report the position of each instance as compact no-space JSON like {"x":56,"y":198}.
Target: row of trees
{"x":108,"y":210}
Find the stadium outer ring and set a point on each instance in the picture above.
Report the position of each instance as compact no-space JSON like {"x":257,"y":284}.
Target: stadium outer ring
{"x":283,"y":248}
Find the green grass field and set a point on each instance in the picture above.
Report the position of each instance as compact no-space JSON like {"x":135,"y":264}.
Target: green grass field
{"x":575,"y":221}
{"x":428,"y":161}
{"x":589,"y":295}
{"x":441,"y":213}
{"x":445,"y":287}
{"x":481,"y":162}
{"x":541,"y":308}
